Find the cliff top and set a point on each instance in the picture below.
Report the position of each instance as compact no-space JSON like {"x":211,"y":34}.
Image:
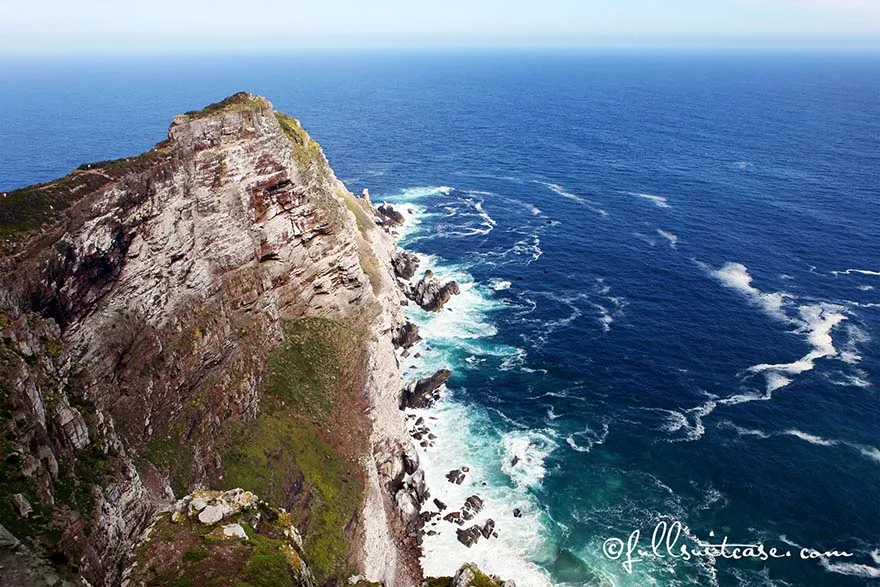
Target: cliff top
{"x":26,"y":210}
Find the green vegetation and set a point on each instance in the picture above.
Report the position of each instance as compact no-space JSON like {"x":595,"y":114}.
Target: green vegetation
{"x":285,"y":457}
{"x":306,"y":150}
{"x":27,"y":209}
{"x":361,"y":210}
{"x":196,"y":554}
{"x":190,"y":553}
{"x":235,"y":102}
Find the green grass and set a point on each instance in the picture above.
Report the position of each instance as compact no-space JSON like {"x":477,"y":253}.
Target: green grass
{"x":196,"y":554}
{"x":282,"y":456}
{"x":235,"y":102}
{"x":27,"y":209}
{"x":306,"y":150}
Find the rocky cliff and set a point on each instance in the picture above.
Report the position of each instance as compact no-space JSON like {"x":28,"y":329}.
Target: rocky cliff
{"x":217,"y":313}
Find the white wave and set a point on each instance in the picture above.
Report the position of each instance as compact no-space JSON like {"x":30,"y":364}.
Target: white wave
{"x":589,"y":438}
{"x":690,"y":422}
{"x":811,"y":438}
{"x":817,"y":322}
{"x":524,"y":453}
{"x":859,"y":271}
{"x":659,"y":201}
{"x":736,"y":276}
{"x":606,"y":319}
{"x":858,"y":379}
{"x":869,"y":452}
{"x":855,"y":337}
{"x":417,"y":193}
{"x":499,"y":284}
{"x":558,"y":189}
{"x":814,"y":321}
{"x":743,"y":164}
{"x":860,"y":570}
{"x":866,"y":287}
{"x":645,"y":238}
{"x":527,"y":205}
{"x":672,"y":238}
{"x":743,"y":431}
{"x":465,"y":437}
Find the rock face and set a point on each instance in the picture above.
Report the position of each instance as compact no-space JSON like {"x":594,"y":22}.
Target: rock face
{"x":422,"y":393}
{"x":258,"y":544}
{"x":405,"y":265}
{"x":430,"y":294}
{"x":140,"y":301}
{"x":406,"y":336}
{"x":388,"y":216}
{"x":470,"y":576}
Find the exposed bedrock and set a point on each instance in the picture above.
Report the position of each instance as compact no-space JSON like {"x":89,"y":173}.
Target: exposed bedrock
{"x":431,"y":294}
{"x":405,"y":264}
{"x":423,"y":393}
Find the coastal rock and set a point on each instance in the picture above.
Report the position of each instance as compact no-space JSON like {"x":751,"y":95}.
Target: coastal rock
{"x":422,"y":393}
{"x":440,"y":505}
{"x":456,"y":476}
{"x":389,"y":217}
{"x":180,"y":546}
{"x":7,"y":540}
{"x":471,"y":576}
{"x":406,"y":336}
{"x":430,"y":294}
{"x":472,"y":506}
{"x":405,"y":264}
{"x":488,"y":528}
{"x":469,"y":536}
{"x":22,"y":505}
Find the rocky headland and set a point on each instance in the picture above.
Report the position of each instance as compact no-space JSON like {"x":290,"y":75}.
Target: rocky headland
{"x":199,"y":378}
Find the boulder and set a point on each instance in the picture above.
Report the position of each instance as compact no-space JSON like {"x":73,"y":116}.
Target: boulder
{"x":422,"y":393}
{"x":406,"y":336}
{"x":430,"y":294}
{"x":388,"y":216}
{"x":488,"y":528}
{"x":405,"y":265}
{"x":455,"y":476}
{"x":470,"y":536}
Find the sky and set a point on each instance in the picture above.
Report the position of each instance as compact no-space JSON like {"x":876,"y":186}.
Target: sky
{"x":52,"y":26}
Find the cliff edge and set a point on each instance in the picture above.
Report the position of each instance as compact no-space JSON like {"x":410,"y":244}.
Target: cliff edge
{"x":214,"y":314}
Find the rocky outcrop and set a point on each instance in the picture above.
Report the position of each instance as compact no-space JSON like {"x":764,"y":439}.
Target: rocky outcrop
{"x":430,"y":294}
{"x":389,"y":217}
{"x":405,"y":265}
{"x":140,"y":303}
{"x":227,"y":538}
{"x":471,"y":576}
{"x":406,"y":335}
{"x":423,"y":393}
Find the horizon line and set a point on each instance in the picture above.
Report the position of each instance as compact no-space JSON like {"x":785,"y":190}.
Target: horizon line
{"x":730,"y":45}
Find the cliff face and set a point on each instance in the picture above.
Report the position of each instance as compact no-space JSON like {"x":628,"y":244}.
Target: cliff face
{"x":216,"y":313}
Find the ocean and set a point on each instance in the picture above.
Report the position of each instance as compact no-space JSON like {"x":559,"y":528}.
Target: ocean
{"x":670,"y":274}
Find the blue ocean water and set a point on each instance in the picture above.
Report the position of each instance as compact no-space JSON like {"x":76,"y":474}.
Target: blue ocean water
{"x":670,"y":267}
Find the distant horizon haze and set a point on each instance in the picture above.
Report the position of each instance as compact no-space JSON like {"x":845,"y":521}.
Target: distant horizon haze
{"x":161,"y":26}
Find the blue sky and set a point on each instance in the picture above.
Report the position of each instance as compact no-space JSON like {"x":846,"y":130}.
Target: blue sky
{"x":205,"y":25}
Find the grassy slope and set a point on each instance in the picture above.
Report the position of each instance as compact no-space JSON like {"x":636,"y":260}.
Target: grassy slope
{"x":293,"y":454}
